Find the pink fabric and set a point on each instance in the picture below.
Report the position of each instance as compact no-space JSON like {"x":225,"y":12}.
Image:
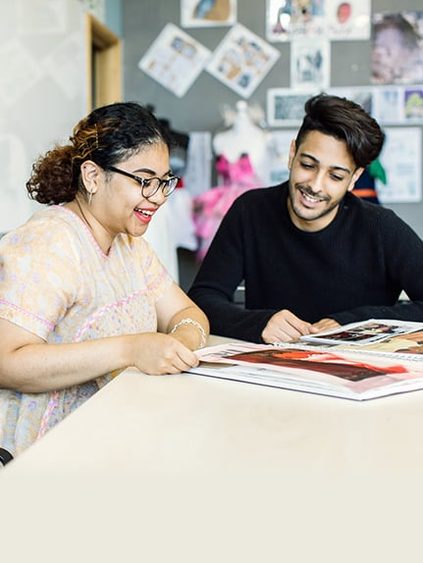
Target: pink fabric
{"x":211,"y":206}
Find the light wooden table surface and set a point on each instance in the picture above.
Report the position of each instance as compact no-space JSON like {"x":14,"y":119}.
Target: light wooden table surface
{"x":187,"y":468}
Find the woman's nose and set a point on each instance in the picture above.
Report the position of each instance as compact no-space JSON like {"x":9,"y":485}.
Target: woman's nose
{"x":158,"y":198}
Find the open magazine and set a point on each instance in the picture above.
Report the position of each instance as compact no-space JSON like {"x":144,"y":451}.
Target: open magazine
{"x":365,"y":332}
{"x":389,"y":366}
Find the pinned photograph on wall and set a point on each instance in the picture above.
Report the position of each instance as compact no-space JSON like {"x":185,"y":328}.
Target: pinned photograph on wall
{"x":401,"y":158}
{"x":278,"y":145}
{"x":397,"y":48}
{"x":413,"y":104}
{"x":348,"y":20}
{"x":285,"y":106}
{"x":310,"y":64}
{"x":242,"y":60}
{"x":387,"y":102}
{"x":361,"y":95}
{"x":174,"y":60}
{"x":286,"y":19}
{"x":208,"y":13}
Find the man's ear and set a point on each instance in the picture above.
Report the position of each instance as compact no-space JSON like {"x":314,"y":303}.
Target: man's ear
{"x":354,"y":178}
{"x":90,"y":173}
{"x":292,"y":151}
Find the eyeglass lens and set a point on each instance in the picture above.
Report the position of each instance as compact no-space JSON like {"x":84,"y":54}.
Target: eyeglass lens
{"x":152,"y":185}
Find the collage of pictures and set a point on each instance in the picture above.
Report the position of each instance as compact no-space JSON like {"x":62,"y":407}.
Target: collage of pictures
{"x":242,"y":59}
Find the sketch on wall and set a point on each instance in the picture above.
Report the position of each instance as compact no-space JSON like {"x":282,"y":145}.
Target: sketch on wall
{"x":310,"y":64}
{"x":174,"y":59}
{"x":397,"y":48}
{"x":285,"y":106}
{"x":348,"y":20}
{"x":401,"y":158}
{"x":286,"y":19}
{"x":208,"y":13}
{"x":335,"y":19}
{"x":413,"y":103}
{"x":387,"y":104}
{"x":279,"y":143}
{"x":242,"y":60}
{"x":359,"y":94}
{"x":398,"y":104}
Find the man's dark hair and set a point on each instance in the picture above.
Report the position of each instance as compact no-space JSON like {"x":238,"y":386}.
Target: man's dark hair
{"x":346,"y":121}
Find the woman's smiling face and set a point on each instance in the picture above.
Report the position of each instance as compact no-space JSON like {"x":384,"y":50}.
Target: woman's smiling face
{"x":119,"y":205}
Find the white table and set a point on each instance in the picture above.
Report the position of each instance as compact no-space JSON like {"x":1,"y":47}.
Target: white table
{"x":186,"y":468}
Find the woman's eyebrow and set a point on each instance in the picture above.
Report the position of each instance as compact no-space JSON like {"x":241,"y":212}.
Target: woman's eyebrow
{"x":151,"y":172}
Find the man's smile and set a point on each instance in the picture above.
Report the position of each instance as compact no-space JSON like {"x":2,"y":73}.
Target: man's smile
{"x":310,"y":197}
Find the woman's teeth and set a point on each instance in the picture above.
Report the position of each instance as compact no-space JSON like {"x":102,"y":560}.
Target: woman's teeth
{"x":144,"y":212}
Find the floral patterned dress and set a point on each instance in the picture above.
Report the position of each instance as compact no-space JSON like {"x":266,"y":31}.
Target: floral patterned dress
{"x":56,"y":282}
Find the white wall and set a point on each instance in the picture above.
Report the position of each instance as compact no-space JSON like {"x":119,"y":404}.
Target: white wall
{"x":42,"y":90}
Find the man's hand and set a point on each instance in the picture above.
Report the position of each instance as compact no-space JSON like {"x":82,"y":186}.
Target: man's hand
{"x":284,"y":326}
{"x":326,"y":324}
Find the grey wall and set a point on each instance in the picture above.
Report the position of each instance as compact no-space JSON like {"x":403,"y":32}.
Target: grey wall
{"x":198,"y":110}
{"x":113,"y":16}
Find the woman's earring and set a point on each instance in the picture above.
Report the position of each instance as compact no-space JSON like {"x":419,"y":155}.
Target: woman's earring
{"x":90,"y":196}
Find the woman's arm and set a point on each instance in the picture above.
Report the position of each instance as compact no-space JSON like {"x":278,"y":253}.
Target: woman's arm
{"x":30,"y":365}
{"x":179,"y":316}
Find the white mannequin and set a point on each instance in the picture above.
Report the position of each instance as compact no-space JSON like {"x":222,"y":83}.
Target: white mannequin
{"x":244,"y":137}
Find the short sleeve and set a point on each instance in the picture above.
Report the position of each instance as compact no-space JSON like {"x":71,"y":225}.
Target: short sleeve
{"x":39,"y":275}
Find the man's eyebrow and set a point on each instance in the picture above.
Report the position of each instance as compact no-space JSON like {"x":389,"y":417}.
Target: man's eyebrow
{"x":333,"y":166}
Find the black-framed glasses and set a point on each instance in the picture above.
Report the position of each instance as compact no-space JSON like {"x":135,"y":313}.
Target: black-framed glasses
{"x":150,"y":186}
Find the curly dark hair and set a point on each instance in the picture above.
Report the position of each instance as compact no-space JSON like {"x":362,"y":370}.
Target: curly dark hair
{"x":346,"y":121}
{"x":107,"y":136}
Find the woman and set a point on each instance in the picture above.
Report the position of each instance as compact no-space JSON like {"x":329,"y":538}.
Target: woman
{"x":82,"y":294}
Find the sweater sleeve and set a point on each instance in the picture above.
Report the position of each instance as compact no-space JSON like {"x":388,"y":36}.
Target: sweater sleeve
{"x":403,"y":251}
{"x":220,"y":274}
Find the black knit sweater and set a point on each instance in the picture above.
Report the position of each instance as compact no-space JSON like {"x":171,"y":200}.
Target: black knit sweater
{"x":352,"y":270}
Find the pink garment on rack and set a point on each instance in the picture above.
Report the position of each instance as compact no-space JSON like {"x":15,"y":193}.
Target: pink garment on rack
{"x":211,"y":206}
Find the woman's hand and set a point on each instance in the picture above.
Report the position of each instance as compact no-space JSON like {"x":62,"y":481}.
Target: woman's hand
{"x":154,"y":353}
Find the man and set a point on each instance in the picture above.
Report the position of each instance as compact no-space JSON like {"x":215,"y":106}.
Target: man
{"x":311,"y":254}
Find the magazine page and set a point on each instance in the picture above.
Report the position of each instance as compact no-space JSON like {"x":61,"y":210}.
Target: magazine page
{"x":364,"y":332}
{"x":408,"y":346}
{"x":329,"y":372}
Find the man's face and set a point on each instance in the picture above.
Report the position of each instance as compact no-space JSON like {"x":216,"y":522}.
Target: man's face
{"x":321,"y":173}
